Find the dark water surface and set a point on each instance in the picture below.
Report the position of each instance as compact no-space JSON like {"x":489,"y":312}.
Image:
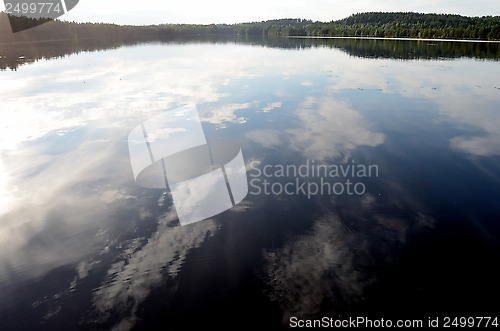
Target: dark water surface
{"x":82,"y":246}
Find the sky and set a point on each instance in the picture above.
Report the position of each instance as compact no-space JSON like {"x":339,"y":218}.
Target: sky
{"x":147,"y":12}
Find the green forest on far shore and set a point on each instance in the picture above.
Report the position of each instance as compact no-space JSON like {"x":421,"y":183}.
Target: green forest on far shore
{"x":375,"y":24}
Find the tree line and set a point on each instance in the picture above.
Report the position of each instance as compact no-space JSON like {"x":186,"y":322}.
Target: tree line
{"x":374,"y":24}
{"x":408,"y":25}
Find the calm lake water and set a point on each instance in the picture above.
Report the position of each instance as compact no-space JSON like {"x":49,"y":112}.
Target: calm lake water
{"x":82,"y":246}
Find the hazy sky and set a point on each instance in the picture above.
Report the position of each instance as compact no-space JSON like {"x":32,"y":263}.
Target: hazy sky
{"x":234,"y":11}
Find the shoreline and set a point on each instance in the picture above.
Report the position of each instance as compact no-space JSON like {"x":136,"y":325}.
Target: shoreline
{"x":398,"y":38}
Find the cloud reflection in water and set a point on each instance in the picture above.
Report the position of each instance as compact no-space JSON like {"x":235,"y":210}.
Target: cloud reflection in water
{"x":67,"y":180}
{"x":137,"y":273}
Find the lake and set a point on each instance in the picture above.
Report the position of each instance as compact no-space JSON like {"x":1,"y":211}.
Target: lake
{"x":373,"y":171}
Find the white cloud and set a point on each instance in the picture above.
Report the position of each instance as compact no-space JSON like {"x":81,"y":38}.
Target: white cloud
{"x":131,"y":280}
{"x":330,"y":129}
{"x":102,"y":103}
{"x":271,"y":106}
{"x":443,"y":85}
{"x":225,"y":114}
{"x":326,"y":128}
{"x":331,"y":263}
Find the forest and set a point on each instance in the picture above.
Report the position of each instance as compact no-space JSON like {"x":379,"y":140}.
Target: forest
{"x":375,"y":24}
{"x":407,"y":25}
{"x":58,"y":38}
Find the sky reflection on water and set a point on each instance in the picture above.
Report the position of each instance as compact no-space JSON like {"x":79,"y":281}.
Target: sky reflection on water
{"x":70,"y":209}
